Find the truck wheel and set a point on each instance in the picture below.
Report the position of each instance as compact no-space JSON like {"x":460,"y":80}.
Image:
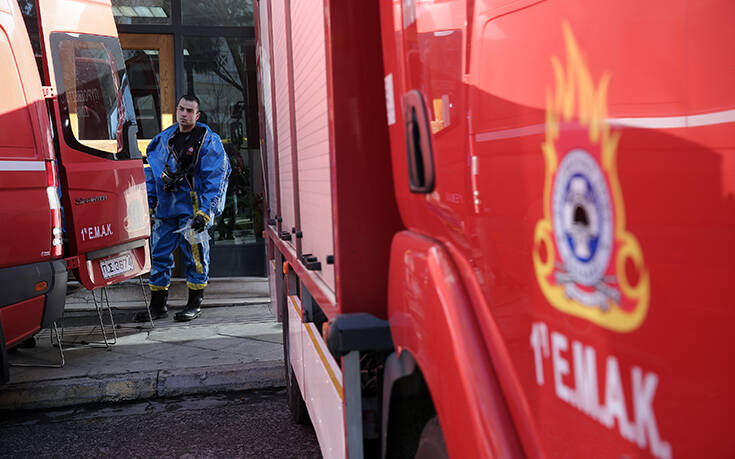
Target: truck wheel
{"x":296,"y":404}
{"x":431,"y":443}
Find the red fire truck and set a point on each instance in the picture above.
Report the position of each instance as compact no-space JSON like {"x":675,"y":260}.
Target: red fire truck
{"x":72,"y":187}
{"x":503,"y":228}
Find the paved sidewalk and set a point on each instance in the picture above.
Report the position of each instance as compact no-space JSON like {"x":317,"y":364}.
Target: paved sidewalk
{"x":230,"y":347}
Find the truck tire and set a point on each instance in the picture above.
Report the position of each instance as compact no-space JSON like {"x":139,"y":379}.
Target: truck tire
{"x":296,"y":404}
{"x":431,"y":443}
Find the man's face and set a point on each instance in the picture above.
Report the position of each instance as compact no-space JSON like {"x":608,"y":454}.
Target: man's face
{"x":187,"y":114}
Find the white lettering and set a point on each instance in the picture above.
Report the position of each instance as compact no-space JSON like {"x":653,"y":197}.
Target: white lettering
{"x":559,"y":344}
{"x":615,"y":401}
{"x":539,"y":344}
{"x":94,"y":232}
{"x":644,"y":389}
{"x":585,"y":396}
{"x":585,"y":379}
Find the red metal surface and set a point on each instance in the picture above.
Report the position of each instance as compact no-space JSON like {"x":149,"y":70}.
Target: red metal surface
{"x":293,"y":137}
{"x":311,"y":128}
{"x":620,"y":355}
{"x":21,"y":320}
{"x":91,"y":273}
{"x":365,"y":213}
{"x":104,"y":201}
{"x":24,"y":148}
{"x":320,"y":291}
{"x":72,"y":263}
{"x":427,"y":299}
{"x":25,"y":154}
{"x":282,"y":116}
{"x":643,"y":375}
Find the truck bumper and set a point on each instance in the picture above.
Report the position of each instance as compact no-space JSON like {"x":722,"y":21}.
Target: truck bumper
{"x":26,"y":282}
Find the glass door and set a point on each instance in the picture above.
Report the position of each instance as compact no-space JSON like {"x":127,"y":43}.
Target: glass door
{"x":149,"y":59}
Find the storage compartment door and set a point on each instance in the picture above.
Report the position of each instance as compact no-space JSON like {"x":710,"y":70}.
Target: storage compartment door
{"x":312,"y":130}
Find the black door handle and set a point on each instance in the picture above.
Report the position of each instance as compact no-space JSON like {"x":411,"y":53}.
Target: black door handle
{"x":418,"y":143}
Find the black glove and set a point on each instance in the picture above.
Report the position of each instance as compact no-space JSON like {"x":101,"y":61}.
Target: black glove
{"x":199,"y":223}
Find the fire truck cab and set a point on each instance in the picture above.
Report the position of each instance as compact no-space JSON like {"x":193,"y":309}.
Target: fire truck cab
{"x":504,"y":228}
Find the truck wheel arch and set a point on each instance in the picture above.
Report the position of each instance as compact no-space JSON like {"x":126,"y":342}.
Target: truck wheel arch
{"x":433,"y":322}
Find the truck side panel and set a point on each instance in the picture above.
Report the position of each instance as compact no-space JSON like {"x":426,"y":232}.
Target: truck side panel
{"x":661,"y":195}
{"x":23,"y":153}
{"x":312,"y":130}
{"x":599,"y":204}
{"x":32,"y":274}
{"x":266,"y":101}
{"x":283,"y":118}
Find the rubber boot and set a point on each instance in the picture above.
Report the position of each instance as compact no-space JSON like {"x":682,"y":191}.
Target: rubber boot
{"x":158,"y":307}
{"x":193,"y":307}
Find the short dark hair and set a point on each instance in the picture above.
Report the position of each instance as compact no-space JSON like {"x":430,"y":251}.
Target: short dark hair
{"x":190,"y":98}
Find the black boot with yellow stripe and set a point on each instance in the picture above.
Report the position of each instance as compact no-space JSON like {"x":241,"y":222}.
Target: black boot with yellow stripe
{"x":193,"y":306}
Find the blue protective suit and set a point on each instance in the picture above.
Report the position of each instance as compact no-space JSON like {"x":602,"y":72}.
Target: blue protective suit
{"x":205,"y":192}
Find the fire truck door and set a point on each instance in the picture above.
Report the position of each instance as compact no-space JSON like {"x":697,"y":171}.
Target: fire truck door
{"x":103,"y":183}
{"x":429,"y":81}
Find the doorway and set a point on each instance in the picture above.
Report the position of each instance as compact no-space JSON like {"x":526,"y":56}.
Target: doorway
{"x":149,"y":59}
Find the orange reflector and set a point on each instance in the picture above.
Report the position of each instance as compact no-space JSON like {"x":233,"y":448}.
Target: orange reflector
{"x":325,"y":330}
{"x":40,"y":286}
{"x":285,"y":268}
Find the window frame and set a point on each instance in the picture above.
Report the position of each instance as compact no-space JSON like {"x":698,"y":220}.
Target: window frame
{"x":111,"y":44}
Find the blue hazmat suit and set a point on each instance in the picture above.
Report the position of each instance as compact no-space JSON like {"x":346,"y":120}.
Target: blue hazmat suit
{"x":204,"y":192}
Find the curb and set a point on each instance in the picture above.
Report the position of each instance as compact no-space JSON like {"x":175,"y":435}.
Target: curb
{"x":141,"y":385}
{"x":130,"y":290}
{"x":175,"y":304}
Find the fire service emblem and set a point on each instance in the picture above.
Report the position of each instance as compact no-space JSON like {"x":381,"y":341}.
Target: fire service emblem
{"x":587,"y":264}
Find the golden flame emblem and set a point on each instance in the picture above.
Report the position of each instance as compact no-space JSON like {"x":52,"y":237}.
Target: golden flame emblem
{"x":586,"y":262}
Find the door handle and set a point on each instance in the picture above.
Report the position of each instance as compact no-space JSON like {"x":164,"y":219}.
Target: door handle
{"x":418,"y":143}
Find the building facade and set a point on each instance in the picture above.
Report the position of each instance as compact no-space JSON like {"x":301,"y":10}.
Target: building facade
{"x":177,"y":47}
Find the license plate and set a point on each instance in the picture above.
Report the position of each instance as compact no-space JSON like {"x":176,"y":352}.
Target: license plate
{"x":115,"y":266}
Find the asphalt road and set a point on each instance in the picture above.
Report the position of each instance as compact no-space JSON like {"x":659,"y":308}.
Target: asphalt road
{"x":245,"y":424}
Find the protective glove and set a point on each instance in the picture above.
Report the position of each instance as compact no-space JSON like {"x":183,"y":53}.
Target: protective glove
{"x":199,"y":222}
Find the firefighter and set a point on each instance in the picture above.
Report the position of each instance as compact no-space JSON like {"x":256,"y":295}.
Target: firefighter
{"x":186,"y":183}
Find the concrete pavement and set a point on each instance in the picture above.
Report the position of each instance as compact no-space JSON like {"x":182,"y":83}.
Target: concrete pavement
{"x":236,"y":344}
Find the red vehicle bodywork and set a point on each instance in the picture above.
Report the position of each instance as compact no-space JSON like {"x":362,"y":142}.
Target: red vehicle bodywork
{"x":565,"y":182}
{"x":72,"y":184}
